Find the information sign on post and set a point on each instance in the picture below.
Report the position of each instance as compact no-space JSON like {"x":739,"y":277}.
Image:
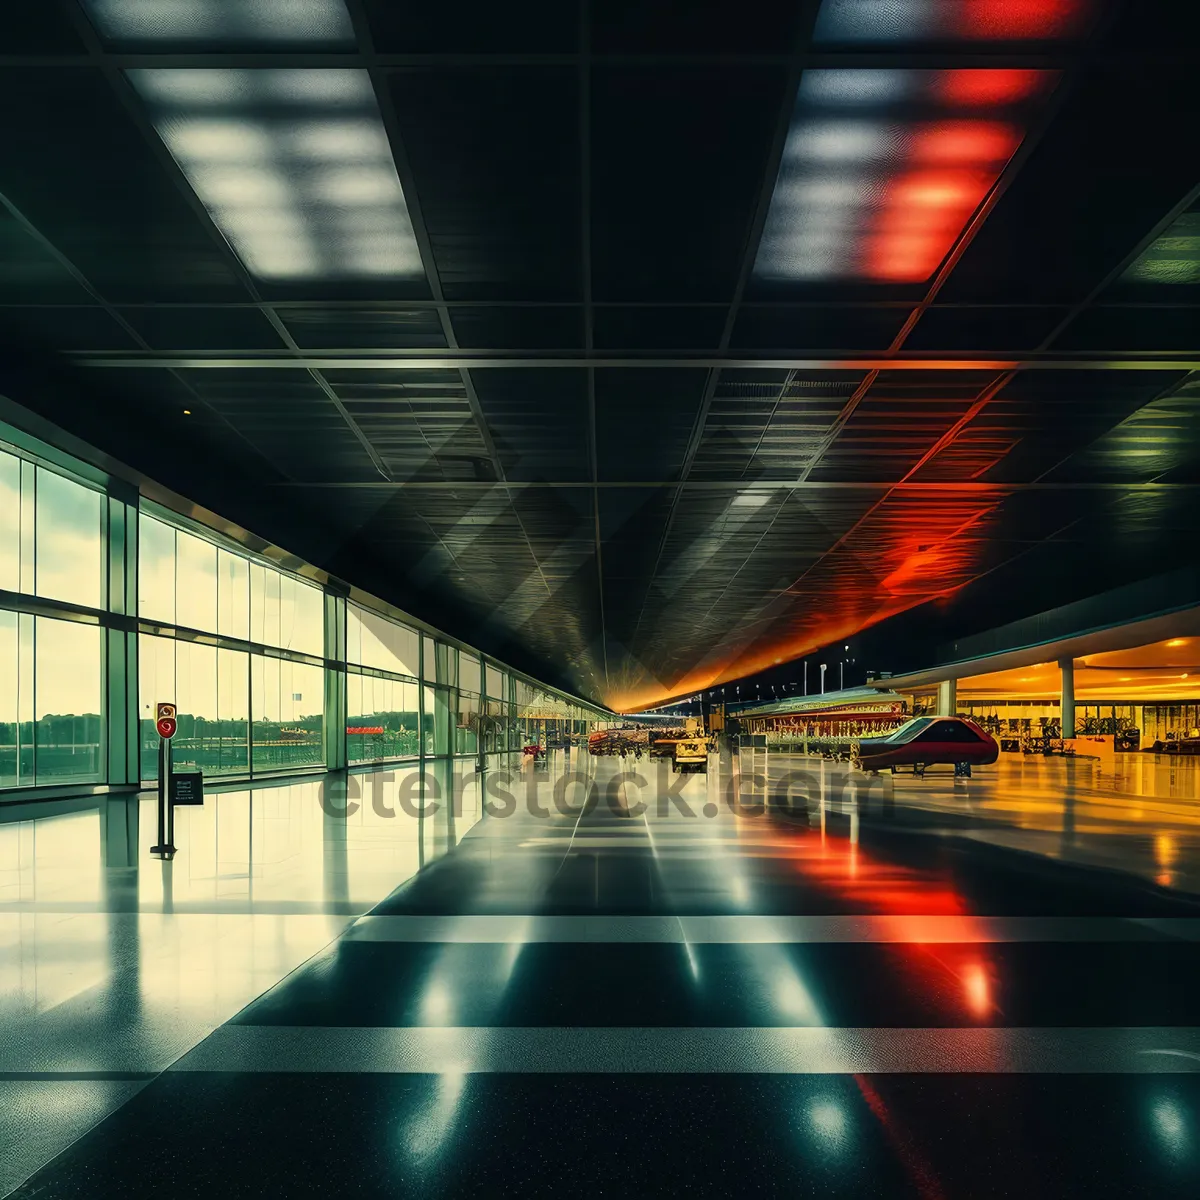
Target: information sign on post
{"x":187,"y":787}
{"x":164,"y":720}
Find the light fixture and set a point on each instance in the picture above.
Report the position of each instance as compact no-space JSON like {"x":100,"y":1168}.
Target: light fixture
{"x":882,"y":169}
{"x":750,"y":499}
{"x":293,"y":165}
{"x":265,"y":23}
{"x":951,"y":20}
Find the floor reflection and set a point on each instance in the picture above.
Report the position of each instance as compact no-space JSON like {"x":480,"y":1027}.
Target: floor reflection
{"x":605,"y":897}
{"x":114,"y":962}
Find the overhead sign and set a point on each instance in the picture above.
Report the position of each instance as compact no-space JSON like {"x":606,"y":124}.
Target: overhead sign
{"x":187,"y":787}
{"x":164,"y":720}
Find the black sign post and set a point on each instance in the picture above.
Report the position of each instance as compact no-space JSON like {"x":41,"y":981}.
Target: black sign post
{"x":184,"y":788}
{"x":166,"y":819}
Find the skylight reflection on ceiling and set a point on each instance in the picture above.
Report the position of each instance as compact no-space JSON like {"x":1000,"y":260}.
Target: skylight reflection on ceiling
{"x":294,"y":167}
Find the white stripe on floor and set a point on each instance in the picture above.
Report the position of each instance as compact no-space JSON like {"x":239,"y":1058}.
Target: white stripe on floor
{"x":767,"y":929}
{"x":265,"y":1049}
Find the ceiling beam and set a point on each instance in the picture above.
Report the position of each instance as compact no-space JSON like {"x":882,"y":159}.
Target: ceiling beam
{"x":396,"y":301}
{"x":254,"y":59}
{"x":457,"y":359}
{"x":758,"y":485}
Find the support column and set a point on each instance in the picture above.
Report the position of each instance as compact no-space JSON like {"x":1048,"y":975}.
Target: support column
{"x":121,"y":639}
{"x":1067,"y":666}
{"x":335,"y":681}
{"x":947,"y":698}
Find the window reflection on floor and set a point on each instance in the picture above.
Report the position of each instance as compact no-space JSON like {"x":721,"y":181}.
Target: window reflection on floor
{"x":112,"y":959}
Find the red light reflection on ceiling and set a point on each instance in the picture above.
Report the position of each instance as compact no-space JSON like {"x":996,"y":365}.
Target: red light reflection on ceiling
{"x":885,"y":168}
{"x":1020,"y":20}
{"x":923,"y":214}
{"x":965,"y":143}
{"x":993,"y":88}
{"x":952,"y":166}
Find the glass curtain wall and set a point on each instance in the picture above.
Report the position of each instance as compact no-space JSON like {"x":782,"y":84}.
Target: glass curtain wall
{"x":383,"y":691}
{"x":438,"y":706}
{"x":467,"y":723}
{"x":52,"y":537}
{"x":106,"y":600}
{"x":51,"y":701}
{"x":241,"y":709}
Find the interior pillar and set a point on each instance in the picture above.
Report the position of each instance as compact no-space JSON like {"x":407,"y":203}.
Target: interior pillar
{"x":947,"y":698}
{"x":1067,"y":666}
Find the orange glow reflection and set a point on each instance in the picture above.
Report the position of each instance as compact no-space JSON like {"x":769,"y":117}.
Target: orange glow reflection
{"x":951,"y":974}
{"x":978,"y":989}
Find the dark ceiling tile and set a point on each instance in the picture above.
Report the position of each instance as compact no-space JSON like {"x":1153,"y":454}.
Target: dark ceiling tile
{"x":40,"y":27}
{"x":1151,"y":24}
{"x":816,"y":328}
{"x":684,"y":27}
{"x":494,"y":152}
{"x":474,"y":27}
{"x":30,"y":273}
{"x":1115,"y":329}
{"x":645,"y":327}
{"x":82,"y":173}
{"x":201,"y":328}
{"x":519,"y":327}
{"x":644,"y":421}
{"x":539,"y":421}
{"x":679,"y":157}
{"x":983,"y":328}
{"x":319,"y":328}
{"x":65,"y":329}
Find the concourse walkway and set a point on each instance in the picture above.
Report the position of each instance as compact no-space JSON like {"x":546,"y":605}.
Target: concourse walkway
{"x":775,"y":978}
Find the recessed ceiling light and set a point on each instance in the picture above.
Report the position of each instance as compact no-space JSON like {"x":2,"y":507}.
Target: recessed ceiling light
{"x":882,"y":169}
{"x":950,"y":20}
{"x":293,"y":166}
{"x":230,"y":22}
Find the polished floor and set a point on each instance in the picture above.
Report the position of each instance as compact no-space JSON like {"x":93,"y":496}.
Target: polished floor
{"x":773,"y":978}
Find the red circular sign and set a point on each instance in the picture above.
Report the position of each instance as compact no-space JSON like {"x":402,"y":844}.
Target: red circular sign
{"x":166,"y":727}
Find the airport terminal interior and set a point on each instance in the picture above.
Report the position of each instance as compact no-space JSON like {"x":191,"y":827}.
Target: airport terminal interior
{"x":599,"y":597}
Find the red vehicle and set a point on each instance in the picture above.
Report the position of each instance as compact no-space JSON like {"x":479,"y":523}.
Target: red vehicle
{"x":924,"y":741}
